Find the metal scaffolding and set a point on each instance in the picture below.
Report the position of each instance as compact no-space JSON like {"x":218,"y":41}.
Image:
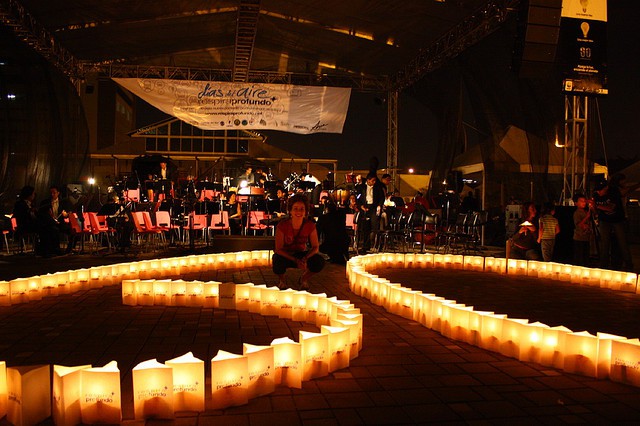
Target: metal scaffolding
{"x":576,"y":164}
{"x":392,"y":136}
{"x":246,"y":29}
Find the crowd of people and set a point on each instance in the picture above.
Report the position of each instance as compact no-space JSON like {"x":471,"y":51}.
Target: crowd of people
{"x":599,"y":225}
{"x":300,"y":240}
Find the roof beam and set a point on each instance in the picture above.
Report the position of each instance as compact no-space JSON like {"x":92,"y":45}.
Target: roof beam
{"x":358,"y":82}
{"x":26,"y":28}
{"x":246,"y":28}
{"x":480,"y":24}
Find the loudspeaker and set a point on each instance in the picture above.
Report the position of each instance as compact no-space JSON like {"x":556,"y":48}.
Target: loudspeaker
{"x":538,"y":35}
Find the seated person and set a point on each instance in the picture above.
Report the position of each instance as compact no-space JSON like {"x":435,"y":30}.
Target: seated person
{"x":524,"y":244}
{"x":31,"y":220}
{"x":297,"y":243}
{"x":234,"y":208}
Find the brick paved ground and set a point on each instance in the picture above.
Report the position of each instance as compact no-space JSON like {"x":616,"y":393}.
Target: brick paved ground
{"x":405,"y":374}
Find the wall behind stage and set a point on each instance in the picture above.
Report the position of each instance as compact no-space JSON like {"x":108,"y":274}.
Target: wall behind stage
{"x":43,"y":131}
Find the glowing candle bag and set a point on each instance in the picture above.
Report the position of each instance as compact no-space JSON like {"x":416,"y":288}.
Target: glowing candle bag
{"x":581,"y":353}
{"x":29,"y":394}
{"x":66,"y":395}
{"x":260,"y":361}
{"x":5,"y":293}
{"x":188,"y":382}
{"x":605,"y":341}
{"x":152,"y":390}
{"x":287,"y":362}
{"x":339,"y":345}
{"x":624,"y":361}
{"x":3,"y":389}
{"x":229,"y":380}
{"x":227,"y":295}
{"x":315,"y":355}
{"x":100,"y":394}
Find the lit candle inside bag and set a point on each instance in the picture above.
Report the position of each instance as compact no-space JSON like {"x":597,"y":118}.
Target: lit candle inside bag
{"x":299,"y":306}
{"x":19,"y":289}
{"x":243,"y":295}
{"x":188,"y":382}
{"x":211,"y":294}
{"x":129,"y":292}
{"x":269,"y":304}
{"x":3,"y":389}
{"x":473,"y":263}
{"x":255,"y":297}
{"x":29,"y":394}
{"x":315,"y":355}
{"x":581,"y":353}
{"x":66,"y":395}
{"x":100,"y":397}
{"x":288,"y":363}
{"x":227,"y":295}
{"x":512,"y":336}
{"x":624,"y":361}
{"x":553,"y":346}
{"x":261,"y":365}
{"x":178,"y":293}
{"x":195,"y":293}
{"x":152,"y":391}
{"x":161,"y":292}
{"x":517,"y":267}
{"x":339,"y":345}
{"x":532,"y":342}
{"x":491,"y":331}
{"x":144,"y":292}
{"x":605,"y":343}
{"x":5,"y":293}
{"x":229,"y":380}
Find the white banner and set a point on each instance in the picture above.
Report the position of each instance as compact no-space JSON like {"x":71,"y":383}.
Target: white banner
{"x":212,"y":105}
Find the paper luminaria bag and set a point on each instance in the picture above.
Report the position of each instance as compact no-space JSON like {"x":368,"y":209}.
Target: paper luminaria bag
{"x":229,"y":380}
{"x":100,"y":395}
{"x":66,"y":395}
{"x":315,"y":355}
{"x":287,"y":362}
{"x":3,"y":389}
{"x":188,"y":383}
{"x":29,"y":394}
{"x":261,"y":369}
{"x":152,"y":390}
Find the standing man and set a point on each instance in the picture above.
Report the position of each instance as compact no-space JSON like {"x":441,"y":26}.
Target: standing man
{"x":609,"y":202}
{"x":370,"y":201}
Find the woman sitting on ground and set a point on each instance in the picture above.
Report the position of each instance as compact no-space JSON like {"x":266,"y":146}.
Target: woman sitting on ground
{"x":297,"y":243}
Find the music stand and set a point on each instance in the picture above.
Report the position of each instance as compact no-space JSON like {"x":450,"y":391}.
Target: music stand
{"x":307,"y":186}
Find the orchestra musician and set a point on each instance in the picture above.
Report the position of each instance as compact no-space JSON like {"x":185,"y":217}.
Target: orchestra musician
{"x":234,"y":208}
{"x":370,"y":201}
{"x":58,"y":210}
{"x":247,"y":177}
{"x":29,"y":221}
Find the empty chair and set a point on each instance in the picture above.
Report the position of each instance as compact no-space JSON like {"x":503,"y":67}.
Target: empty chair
{"x":197,"y":224}
{"x":256,"y":221}
{"x":220,"y":222}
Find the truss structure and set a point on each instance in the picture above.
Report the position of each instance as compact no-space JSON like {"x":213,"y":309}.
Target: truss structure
{"x":480,"y":24}
{"x":576,"y":164}
{"x":246,"y":28}
{"x":392,"y":136}
{"x":27,"y":29}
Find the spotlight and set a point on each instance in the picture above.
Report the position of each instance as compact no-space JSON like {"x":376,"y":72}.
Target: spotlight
{"x":91,"y":181}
